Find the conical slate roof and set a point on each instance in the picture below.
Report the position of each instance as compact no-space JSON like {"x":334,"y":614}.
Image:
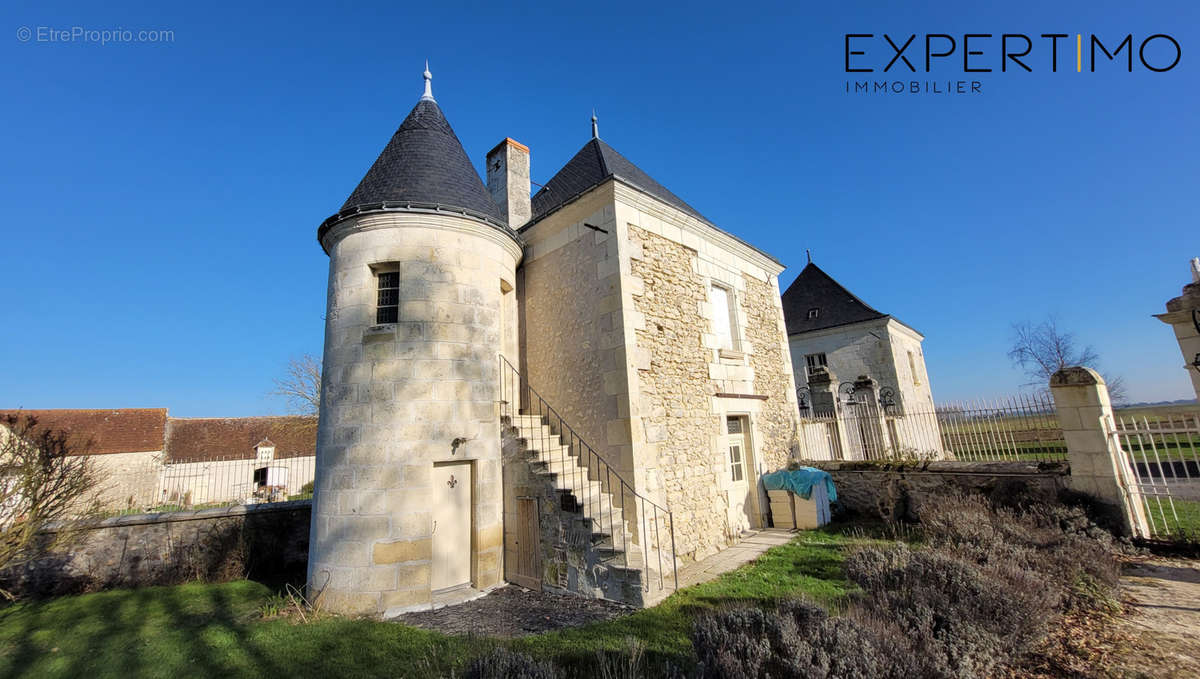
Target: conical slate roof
{"x":424,"y":163}
{"x":596,"y":162}
{"x":835,"y":305}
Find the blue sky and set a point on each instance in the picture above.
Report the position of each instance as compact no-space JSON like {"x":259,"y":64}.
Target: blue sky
{"x":162,"y":199}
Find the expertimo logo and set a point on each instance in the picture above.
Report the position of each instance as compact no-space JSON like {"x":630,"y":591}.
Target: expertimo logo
{"x":984,"y":53}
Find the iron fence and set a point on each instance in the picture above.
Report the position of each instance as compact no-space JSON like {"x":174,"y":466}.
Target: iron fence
{"x":1161,"y":454}
{"x":1014,"y":429}
{"x":154,"y":486}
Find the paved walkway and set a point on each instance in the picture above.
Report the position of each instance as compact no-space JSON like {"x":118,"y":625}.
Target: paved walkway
{"x":749,"y":549}
{"x":1162,"y":598}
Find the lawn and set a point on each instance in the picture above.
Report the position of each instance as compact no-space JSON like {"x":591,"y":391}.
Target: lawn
{"x":202,"y":630}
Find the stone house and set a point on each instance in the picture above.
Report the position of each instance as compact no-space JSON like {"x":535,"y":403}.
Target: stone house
{"x":126,"y":446}
{"x":570,"y":390}
{"x":147,"y":459}
{"x":852,"y":360}
{"x":224,"y":459}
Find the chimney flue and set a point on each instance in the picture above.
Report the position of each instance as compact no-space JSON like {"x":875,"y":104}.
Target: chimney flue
{"x":508,"y":181}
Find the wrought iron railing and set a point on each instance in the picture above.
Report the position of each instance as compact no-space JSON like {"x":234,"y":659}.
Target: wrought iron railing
{"x":1020,"y":428}
{"x":1161,"y":451}
{"x":596,"y":487}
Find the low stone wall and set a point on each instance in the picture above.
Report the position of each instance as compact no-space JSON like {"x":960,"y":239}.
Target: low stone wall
{"x":267,"y":542}
{"x":892,"y":490}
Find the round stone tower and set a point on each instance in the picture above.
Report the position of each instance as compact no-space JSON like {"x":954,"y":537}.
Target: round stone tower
{"x":408,"y":496}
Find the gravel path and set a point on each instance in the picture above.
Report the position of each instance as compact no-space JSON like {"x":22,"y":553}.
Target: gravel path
{"x":1163,"y":600}
{"x":513,"y":611}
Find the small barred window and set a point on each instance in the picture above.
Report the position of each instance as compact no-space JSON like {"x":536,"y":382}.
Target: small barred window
{"x":387,"y":305}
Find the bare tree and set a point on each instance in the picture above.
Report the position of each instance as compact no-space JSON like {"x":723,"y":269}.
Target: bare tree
{"x":45,"y":477}
{"x":301,"y":385}
{"x":1043,"y":349}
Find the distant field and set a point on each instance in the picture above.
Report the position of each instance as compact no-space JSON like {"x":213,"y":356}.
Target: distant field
{"x":1192,"y":409}
{"x":1038,"y":437}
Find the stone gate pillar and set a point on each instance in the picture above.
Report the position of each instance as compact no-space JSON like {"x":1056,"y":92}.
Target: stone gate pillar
{"x":1098,"y":467}
{"x":1183,"y":315}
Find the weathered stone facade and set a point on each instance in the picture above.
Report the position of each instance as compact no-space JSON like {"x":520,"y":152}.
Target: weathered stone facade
{"x":572,"y":347}
{"x":268,"y":542}
{"x":893,"y":491}
{"x":397,"y":397}
{"x":676,"y":392}
{"x":777,"y":429}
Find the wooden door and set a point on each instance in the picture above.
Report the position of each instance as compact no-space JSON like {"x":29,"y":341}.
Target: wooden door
{"x":527,"y":569}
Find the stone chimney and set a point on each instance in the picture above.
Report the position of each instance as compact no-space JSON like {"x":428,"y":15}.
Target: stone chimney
{"x":508,"y":181}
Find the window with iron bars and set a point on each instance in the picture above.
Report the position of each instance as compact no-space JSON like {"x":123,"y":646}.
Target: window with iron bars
{"x":387,"y":302}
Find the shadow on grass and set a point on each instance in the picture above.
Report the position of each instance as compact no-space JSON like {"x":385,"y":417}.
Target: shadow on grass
{"x":200,"y":630}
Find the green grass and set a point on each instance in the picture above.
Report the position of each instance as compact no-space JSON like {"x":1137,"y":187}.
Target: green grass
{"x":206,"y":631}
{"x":1182,"y":523}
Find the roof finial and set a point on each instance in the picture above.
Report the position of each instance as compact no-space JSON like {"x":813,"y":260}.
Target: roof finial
{"x":808,"y":253}
{"x":595,"y":127}
{"x":428,"y":96}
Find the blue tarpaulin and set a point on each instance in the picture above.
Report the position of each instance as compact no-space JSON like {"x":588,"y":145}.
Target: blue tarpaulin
{"x":800,"y":482}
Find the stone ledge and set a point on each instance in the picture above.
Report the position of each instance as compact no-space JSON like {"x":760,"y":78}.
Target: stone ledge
{"x":944,"y":467}
{"x":189,"y":515}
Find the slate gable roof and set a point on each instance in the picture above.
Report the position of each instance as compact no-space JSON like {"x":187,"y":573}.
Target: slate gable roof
{"x":596,"y":162}
{"x":835,"y":305}
{"x":424,"y":163}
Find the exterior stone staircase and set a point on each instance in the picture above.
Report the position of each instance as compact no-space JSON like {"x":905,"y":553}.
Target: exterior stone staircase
{"x":595,"y":550}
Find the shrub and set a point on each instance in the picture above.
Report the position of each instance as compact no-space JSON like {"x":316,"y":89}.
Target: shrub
{"x":501,"y":663}
{"x":964,"y":619}
{"x":799,"y":640}
{"x":46,"y":476}
{"x":1059,"y":543}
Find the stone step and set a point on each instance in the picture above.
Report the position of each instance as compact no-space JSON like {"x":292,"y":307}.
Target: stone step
{"x":557,"y":456}
{"x":525,"y":420}
{"x":539,"y":439}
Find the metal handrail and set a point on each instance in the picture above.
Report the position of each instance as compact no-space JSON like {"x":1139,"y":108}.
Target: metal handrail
{"x":513,"y":383}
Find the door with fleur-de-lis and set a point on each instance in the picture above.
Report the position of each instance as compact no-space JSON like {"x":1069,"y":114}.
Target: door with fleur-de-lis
{"x":452,"y":503}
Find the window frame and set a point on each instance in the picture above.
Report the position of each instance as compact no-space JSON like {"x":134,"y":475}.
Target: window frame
{"x":912,"y":369}
{"x":382,"y":315}
{"x":730,"y":311}
{"x":737,"y":465}
{"x":809,"y":363}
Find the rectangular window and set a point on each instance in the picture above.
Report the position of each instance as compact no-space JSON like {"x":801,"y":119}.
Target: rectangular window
{"x":912,"y":368}
{"x":387,"y":303}
{"x":735,"y":461}
{"x":737,"y":440}
{"x":814,"y":361}
{"x":724,"y":317}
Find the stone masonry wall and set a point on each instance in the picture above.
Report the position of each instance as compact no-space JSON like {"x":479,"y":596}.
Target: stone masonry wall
{"x":892,"y":491}
{"x":129,"y":479}
{"x":568,"y":559}
{"x":266,"y":542}
{"x":676,"y":392}
{"x":571,"y":325}
{"x":776,"y":422}
{"x":398,"y":398}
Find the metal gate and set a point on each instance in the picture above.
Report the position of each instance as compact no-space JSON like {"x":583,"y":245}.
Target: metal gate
{"x":527,"y":569}
{"x":1161,"y":455}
